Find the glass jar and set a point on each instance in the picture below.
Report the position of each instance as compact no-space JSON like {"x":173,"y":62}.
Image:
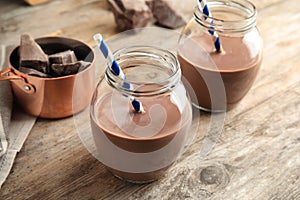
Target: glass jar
{"x":140,"y":147}
{"x":220,"y":80}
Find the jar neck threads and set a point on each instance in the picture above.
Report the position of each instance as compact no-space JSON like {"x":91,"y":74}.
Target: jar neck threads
{"x":228,"y":16}
{"x":145,"y":67}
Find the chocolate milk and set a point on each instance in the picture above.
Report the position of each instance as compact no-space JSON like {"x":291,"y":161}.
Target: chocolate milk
{"x":219,"y":80}
{"x":139,"y":147}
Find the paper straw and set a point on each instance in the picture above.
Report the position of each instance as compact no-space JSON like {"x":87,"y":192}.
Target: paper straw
{"x":116,"y":69}
{"x":203,"y":5}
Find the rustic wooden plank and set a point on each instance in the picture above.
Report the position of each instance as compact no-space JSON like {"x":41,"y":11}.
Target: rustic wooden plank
{"x":55,"y":16}
{"x":84,"y":31}
{"x":257,"y":156}
{"x":58,"y":15}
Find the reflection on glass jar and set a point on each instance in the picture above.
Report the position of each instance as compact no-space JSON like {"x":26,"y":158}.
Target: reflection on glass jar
{"x":221,"y":80}
{"x":140,"y":147}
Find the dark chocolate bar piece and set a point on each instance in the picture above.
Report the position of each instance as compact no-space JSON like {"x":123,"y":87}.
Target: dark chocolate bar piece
{"x":32,"y":55}
{"x":166,"y":13}
{"x":33,"y":72}
{"x":68,"y":69}
{"x":64,"y":57}
{"x":130,"y":14}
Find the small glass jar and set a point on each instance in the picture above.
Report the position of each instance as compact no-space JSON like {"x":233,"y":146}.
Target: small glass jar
{"x":140,"y":147}
{"x":220,"y":80}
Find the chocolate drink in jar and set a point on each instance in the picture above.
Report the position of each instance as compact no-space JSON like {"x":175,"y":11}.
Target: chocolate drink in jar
{"x":128,"y":147}
{"x":220,"y":80}
{"x":140,"y":147}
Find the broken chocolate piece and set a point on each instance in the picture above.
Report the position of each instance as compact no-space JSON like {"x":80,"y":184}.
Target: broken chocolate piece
{"x":166,"y":13}
{"x":32,"y":55}
{"x":68,"y":69}
{"x":33,"y":72}
{"x":64,"y":57}
{"x":130,"y":14}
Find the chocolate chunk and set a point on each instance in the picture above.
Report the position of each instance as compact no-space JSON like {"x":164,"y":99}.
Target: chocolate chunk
{"x":166,"y":13}
{"x":130,"y":14}
{"x":32,"y":55}
{"x":68,"y":69}
{"x":33,"y":72}
{"x":64,"y":57}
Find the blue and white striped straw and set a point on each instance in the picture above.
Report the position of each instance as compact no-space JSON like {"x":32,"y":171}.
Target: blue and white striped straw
{"x":203,"y":5}
{"x":116,"y":69}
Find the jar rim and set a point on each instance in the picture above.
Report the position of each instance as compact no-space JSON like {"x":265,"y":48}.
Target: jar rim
{"x":246,"y":7}
{"x":166,"y":57}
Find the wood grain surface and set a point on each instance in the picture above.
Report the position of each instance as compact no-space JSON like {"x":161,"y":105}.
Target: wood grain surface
{"x":257,"y":156}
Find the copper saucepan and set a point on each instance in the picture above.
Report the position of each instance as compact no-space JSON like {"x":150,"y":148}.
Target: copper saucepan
{"x":53,"y":97}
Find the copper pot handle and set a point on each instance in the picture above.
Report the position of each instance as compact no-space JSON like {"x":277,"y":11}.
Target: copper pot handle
{"x":21,"y":80}
{"x":5,"y":75}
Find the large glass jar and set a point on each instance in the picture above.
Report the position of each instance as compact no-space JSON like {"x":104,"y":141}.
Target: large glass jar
{"x":140,"y":147}
{"x":220,"y":80}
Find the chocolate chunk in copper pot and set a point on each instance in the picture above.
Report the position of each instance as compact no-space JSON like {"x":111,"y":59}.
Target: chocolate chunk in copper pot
{"x":64,"y":57}
{"x":130,"y":14}
{"x":166,"y":13}
{"x":68,"y":69}
{"x":32,"y":55}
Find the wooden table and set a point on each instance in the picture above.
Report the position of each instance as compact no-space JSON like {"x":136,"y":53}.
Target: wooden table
{"x":257,"y":156}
